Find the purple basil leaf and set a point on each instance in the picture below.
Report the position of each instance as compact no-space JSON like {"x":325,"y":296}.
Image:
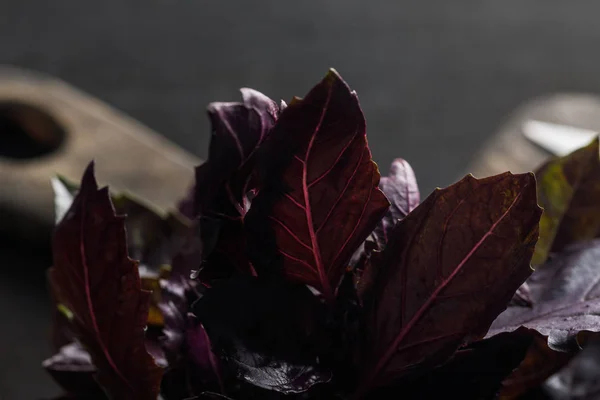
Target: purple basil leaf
{"x":267,"y":333}
{"x":321,"y":198}
{"x":401,"y":189}
{"x":225,"y":180}
{"x":565,"y":295}
{"x":153,"y":237}
{"x":441,"y":282}
{"x":272,"y":374}
{"x":93,"y":277}
{"x":238,"y":129}
{"x":267,"y":108}
{"x":73,"y":370}
{"x":193,"y":367}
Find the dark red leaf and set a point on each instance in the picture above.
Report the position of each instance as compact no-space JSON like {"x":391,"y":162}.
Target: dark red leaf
{"x":450,"y":267}
{"x":97,"y":281}
{"x":320,"y":199}
{"x":401,"y":189}
{"x":565,"y":295}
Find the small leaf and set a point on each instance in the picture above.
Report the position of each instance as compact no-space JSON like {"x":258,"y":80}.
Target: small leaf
{"x":450,"y":267}
{"x":320,"y":200}
{"x":95,"y":279}
{"x":202,"y":356}
{"x":73,"y":370}
{"x":238,"y":129}
{"x":400,"y":187}
{"x":568,"y":189}
{"x":565,"y":295}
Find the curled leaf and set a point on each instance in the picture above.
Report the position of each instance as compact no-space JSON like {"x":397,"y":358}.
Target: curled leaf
{"x":320,"y":198}
{"x":450,"y":267}
{"x":97,"y":281}
{"x":224,"y":182}
{"x":238,"y":129}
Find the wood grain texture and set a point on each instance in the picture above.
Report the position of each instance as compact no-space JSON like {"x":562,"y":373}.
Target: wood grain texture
{"x":128,"y":155}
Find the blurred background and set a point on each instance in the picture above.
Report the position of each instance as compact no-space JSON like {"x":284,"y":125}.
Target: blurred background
{"x":435,"y":80}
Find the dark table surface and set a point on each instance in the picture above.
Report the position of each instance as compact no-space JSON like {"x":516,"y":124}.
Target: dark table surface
{"x":435,"y":79}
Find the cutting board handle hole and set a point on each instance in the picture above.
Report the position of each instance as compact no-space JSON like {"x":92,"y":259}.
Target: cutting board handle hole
{"x":27,"y":132}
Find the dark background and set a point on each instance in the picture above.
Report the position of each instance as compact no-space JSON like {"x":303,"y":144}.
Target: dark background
{"x":435,"y":79}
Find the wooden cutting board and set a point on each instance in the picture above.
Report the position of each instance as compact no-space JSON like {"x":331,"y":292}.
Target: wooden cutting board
{"x":48,"y":127}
